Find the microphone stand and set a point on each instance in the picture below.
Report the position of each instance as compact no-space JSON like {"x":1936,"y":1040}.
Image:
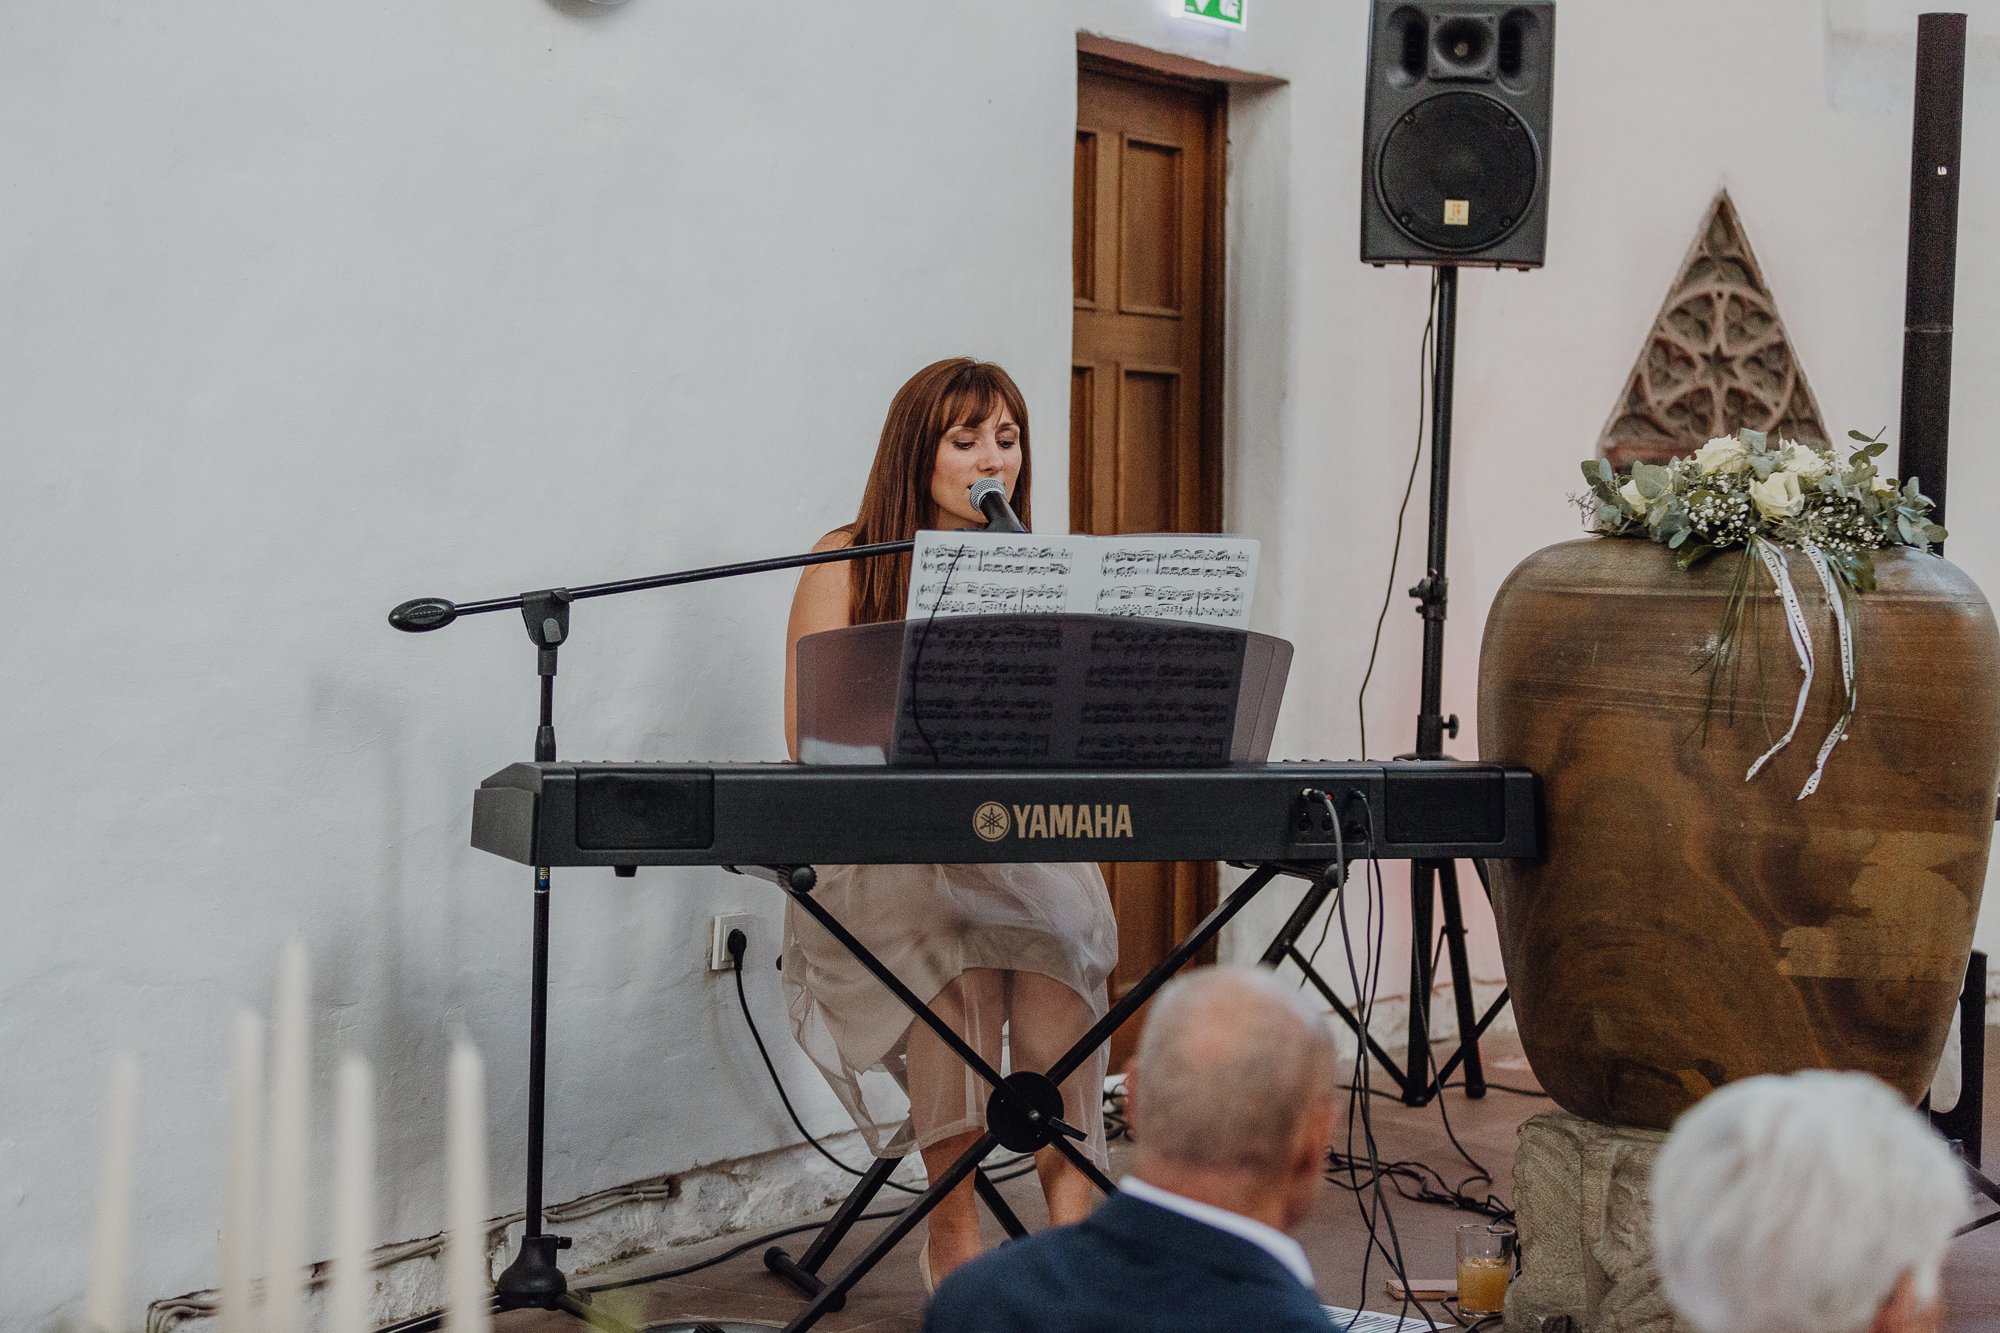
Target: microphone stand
{"x":534,"y":1279}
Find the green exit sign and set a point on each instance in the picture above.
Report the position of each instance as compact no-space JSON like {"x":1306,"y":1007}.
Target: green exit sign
{"x":1229,"y":13}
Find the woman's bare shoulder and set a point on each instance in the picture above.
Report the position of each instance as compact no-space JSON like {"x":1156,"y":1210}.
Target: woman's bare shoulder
{"x":837,"y":540}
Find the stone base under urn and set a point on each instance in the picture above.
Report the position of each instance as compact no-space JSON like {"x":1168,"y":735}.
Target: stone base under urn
{"x":1584,"y":1215}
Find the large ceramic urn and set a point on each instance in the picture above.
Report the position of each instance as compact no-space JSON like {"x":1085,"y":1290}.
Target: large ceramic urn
{"x":1686,"y":927}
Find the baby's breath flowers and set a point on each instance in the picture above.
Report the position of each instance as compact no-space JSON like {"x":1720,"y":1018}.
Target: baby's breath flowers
{"x":1745,"y":487}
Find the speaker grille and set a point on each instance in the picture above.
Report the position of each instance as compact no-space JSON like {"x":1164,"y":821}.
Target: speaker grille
{"x":1457,"y":172}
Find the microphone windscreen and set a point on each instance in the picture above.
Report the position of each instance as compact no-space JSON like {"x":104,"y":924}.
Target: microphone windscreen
{"x":984,"y":487}
{"x":423,"y":613}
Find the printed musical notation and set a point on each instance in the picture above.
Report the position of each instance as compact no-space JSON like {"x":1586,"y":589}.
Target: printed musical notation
{"x":1223,"y":561}
{"x":1170,"y":602}
{"x":1165,"y":577}
{"x":1036,"y":689}
{"x":968,"y":555}
{"x":991,"y":674}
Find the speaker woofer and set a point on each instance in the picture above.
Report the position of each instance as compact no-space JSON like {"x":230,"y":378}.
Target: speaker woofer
{"x":1457,"y":172}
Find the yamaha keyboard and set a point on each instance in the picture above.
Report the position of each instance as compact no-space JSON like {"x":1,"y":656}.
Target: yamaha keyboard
{"x":605,"y":814}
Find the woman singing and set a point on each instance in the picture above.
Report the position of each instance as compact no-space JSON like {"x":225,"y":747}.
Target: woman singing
{"x":1013,"y":953}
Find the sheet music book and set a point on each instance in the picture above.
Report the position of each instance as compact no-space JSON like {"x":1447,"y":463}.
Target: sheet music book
{"x":1163,"y":576}
{"x":1034,"y":690}
{"x":1060,"y":689}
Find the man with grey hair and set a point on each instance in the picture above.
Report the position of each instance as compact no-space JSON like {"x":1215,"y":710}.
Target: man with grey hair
{"x":1232,"y":1103}
{"x":1806,"y":1203}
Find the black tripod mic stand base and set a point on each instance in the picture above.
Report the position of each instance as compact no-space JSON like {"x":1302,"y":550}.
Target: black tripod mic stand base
{"x":565,"y":1302}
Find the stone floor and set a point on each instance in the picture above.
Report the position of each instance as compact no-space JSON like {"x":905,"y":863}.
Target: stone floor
{"x":889,"y":1300}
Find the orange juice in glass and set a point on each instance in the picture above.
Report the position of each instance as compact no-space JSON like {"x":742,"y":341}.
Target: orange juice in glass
{"x":1485,"y":1263}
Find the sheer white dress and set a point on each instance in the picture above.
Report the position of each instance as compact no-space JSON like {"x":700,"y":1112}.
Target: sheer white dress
{"x":1014,"y":957}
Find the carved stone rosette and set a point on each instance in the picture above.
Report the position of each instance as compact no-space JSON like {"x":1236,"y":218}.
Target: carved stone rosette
{"x":1716,"y":361}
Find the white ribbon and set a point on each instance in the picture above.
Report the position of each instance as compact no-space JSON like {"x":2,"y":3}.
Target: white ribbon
{"x":1839,"y":731}
{"x":1795,"y":622}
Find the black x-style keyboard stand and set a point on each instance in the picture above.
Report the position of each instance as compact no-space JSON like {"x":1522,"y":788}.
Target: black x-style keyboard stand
{"x":1024,"y":1110}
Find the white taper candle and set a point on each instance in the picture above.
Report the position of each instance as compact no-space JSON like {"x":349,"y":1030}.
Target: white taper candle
{"x":466,"y":1287}
{"x":285,"y":1219}
{"x":353,"y":1291}
{"x":103,"y":1303}
{"x":243,"y":1175}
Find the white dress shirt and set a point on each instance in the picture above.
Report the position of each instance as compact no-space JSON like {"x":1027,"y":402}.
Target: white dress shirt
{"x":1269,"y":1239}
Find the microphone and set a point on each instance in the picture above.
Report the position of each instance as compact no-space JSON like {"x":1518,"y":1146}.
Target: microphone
{"x":989,"y":497}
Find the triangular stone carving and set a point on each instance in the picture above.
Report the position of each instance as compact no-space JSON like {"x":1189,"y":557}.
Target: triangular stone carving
{"x":1716,"y":361}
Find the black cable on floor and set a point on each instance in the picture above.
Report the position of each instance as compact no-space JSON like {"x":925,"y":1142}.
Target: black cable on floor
{"x":1490,"y":1087}
{"x":1366,"y":981}
{"x":1418,"y":1181}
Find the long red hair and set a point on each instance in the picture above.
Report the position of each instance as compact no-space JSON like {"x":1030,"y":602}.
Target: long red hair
{"x":957,"y":391}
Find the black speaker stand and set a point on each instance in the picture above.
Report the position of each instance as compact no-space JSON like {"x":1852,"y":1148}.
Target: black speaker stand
{"x":1433,"y":884}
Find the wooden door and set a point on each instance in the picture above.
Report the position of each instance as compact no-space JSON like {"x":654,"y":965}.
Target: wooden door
{"x":1145,"y":452}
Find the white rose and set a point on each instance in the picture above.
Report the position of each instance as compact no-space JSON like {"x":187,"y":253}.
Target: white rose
{"x":1629,"y":492}
{"x":1723,"y":454}
{"x":1778,"y":495}
{"x":1881,"y":485}
{"x":1808,"y":463}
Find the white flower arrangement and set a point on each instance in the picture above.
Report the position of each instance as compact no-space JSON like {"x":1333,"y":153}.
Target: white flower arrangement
{"x":1741,"y":492}
{"x":1737,"y":490}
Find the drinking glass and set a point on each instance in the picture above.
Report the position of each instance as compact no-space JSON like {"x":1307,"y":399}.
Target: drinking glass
{"x":1485,"y":1263}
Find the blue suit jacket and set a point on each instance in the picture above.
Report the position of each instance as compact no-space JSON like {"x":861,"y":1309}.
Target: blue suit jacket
{"x":1132,"y":1266}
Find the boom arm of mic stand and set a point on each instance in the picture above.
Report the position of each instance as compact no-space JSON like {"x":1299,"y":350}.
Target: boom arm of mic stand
{"x":423,"y":614}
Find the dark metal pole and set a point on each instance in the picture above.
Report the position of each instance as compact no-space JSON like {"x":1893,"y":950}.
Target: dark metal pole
{"x":1431,"y":594}
{"x":1933,"y":258}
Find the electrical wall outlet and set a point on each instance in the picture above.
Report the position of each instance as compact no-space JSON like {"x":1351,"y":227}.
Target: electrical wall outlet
{"x":718,"y":938}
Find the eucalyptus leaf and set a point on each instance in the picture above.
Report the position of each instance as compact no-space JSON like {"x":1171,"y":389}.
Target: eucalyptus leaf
{"x":1864,"y":571}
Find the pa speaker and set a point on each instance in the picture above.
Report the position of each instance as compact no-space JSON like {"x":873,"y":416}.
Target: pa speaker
{"x":1455,"y":152}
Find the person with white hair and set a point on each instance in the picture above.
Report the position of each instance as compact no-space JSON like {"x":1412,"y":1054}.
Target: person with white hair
{"x":1232,"y":1101}
{"x":1816,"y":1202}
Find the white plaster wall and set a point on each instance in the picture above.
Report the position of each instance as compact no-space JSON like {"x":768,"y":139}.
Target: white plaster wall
{"x":308,"y":309}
